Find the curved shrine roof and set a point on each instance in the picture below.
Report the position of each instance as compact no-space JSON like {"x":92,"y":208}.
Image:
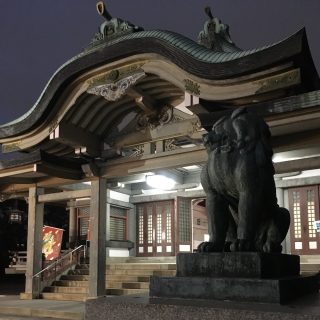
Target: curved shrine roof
{"x":181,"y":51}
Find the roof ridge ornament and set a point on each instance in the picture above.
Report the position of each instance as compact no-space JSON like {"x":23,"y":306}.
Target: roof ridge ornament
{"x":215,"y":35}
{"x":112,"y":27}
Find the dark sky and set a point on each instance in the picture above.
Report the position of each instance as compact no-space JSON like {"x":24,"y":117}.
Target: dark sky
{"x":37,"y":36}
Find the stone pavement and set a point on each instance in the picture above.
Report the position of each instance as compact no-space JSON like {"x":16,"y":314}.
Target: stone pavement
{"x":11,"y":305}
{"x":141,"y":308}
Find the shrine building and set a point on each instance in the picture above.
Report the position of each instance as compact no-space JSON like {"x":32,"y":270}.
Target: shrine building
{"x":115,"y":138}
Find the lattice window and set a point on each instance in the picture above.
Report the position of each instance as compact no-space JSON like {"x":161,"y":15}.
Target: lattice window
{"x":118,"y":223}
{"x":159,"y":224}
{"x":118,"y":229}
{"x":84,"y":210}
{"x":168,"y":223}
{"x":296,"y":214}
{"x":140,"y":222}
{"x":83,"y":228}
{"x":311,"y":213}
{"x":118,"y":211}
{"x":83,"y":215}
{"x":150,"y":223}
{"x":184,"y":220}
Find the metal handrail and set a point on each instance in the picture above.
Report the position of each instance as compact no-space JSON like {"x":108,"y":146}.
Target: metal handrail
{"x":50,"y":273}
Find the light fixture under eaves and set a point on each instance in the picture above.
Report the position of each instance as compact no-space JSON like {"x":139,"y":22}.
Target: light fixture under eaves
{"x":159,"y":181}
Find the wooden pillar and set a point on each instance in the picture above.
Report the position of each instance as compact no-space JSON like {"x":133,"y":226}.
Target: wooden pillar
{"x":34,"y":241}
{"x":97,"y":269}
{"x":72,"y":227}
{"x":132,"y":230}
{"x":108,"y":210}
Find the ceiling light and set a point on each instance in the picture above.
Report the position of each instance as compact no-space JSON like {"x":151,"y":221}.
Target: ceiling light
{"x":191,"y":168}
{"x":152,"y":192}
{"x":159,"y":181}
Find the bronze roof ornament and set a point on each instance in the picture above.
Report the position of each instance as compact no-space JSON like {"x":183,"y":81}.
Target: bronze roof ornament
{"x":112,"y":27}
{"x":215,"y":35}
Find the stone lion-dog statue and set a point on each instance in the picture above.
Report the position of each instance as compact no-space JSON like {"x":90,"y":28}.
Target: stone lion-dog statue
{"x":243,"y":213}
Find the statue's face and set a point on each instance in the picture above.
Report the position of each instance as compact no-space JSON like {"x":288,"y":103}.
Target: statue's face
{"x":211,"y":140}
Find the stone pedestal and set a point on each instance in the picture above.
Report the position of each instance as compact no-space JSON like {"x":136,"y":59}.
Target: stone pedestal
{"x":250,"y":276}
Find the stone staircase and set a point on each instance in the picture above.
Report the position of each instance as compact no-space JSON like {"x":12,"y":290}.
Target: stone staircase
{"x":122,"y":278}
{"x":310,"y":264}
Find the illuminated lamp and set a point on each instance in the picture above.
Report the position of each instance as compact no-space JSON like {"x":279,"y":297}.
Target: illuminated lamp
{"x":159,"y":181}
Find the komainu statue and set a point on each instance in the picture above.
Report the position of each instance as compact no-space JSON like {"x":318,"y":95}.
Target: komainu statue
{"x":243,"y":214}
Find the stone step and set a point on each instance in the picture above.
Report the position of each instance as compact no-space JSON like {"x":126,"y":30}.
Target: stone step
{"x":70,"y":283}
{"x":135,"y":285}
{"x":127,"y":285}
{"x":79,"y":272}
{"x":121,"y":279}
{"x":141,"y":272}
{"x":75,"y":277}
{"x":82,"y":266}
{"x":114,"y":285}
{"x":151,"y":260}
{"x":309,"y":268}
{"x":64,"y":296}
{"x":67,"y":289}
{"x":127,"y":278}
{"x":141,"y":266}
{"x":164,"y":273}
{"x":122,"y":292}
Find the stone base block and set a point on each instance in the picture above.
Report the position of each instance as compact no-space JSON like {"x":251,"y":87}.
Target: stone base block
{"x":27,"y":296}
{"x":237,"y":264}
{"x":235,"y":289}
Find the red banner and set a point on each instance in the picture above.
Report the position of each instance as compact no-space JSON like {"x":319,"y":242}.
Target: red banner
{"x":51,"y":242}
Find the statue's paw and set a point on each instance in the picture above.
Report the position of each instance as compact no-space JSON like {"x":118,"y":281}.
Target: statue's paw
{"x":272,"y":247}
{"x":208,"y":247}
{"x":241,"y":245}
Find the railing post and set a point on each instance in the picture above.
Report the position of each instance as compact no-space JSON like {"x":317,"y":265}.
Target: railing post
{"x":58,"y":266}
{"x":39,"y":282}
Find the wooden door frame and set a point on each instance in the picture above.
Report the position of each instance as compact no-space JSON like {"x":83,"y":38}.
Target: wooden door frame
{"x":145,"y":244}
{"x":304,"y":220}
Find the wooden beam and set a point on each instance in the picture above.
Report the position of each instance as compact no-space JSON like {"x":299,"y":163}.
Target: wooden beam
{"x":297,"y":165}
{"x":58,"y":171}
{"x":90,"y":170}
{"x":16,"y":180}
{"x":15,"y":188}
{"x":185,"y":157}
{"x":296,"y":140}
{"x":42,"y":182}
{"x":30,"y":168}
{"x":183,"y":128}
{"x":143,"y":100}
{"x":73,"y":136}
{"x":173,"y":159}
{"x":64,"y":196}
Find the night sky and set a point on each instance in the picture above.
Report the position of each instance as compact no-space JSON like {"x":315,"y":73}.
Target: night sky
{"x":37,"y":36}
